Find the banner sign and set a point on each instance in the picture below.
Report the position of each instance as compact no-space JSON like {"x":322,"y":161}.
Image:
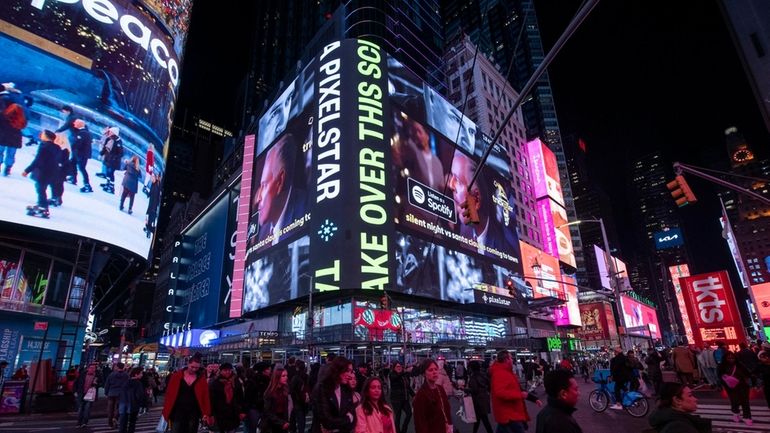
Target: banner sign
{"x":712,"y":308}
{"x":677,"y":272}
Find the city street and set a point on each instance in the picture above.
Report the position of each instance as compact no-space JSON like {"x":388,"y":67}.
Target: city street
{"x":710,"y":405}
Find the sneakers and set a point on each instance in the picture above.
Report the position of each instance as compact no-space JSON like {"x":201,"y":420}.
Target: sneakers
{"x":617,"y":406}
{"x":748,"y":422}
{"x":736,"y":418}
{"x":86,"y":188}
{"x":130,"y":211}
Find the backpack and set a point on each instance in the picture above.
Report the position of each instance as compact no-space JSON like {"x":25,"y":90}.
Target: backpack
{"x":14,"y":114}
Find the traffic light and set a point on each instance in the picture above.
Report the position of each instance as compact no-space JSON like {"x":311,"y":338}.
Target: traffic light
{"x":384,"y":302}
{"x":681,"y":192}
{"x":470,"y":209}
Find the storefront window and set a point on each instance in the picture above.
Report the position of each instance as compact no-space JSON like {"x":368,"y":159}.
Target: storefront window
{"x":56,"y":295}
{"x":33,"y":279}
{"x":9,"y":263}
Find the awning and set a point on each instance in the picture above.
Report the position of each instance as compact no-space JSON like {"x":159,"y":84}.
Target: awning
{"x":149,"y":347}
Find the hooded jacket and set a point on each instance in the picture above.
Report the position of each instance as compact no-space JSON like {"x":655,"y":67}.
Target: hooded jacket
{"x":669,"y":420}
{"x":507,"y":398}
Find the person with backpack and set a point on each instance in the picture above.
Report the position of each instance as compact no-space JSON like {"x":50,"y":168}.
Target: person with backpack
{"x":12,"y":121}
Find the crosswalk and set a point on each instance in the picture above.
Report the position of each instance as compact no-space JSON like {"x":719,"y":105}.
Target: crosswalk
{"x":722,"y":418}
{"x":146,"y":423}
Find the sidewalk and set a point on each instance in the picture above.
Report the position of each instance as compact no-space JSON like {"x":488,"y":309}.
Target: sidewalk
{"x":98,"y":410}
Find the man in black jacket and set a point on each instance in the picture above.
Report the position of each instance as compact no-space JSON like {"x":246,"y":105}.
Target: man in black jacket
{"x":43,"y":168}
{"x":621,"y":374}
{"x":563,"y":394}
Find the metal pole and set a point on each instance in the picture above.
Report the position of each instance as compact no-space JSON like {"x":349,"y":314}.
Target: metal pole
{"x":683,"y":168}
{"x":310,"y":317}
{"x":613,"y":280}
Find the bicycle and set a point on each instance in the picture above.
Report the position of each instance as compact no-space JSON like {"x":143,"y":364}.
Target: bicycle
{"x":635,"y":403}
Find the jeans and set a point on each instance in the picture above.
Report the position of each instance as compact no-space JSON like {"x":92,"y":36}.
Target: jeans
{"x":252,"y":421}
{"x":511,"y":427}
{"x":42,"y":195}
{"x":298,"y":420}
{"x":112,"y":409}
{"x":184,"y":424}
{"x":620,"y":385}
{"x":80,"y":163}
{"x":127,"y":421}
{"x":130,"y":195}
{"x":7,"y":156}
{"x":739,"y":397}
{"x":398,"y":407}
{"x":84,"y":413}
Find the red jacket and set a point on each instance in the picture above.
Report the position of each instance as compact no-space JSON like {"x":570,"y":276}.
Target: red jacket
{"x":201,"y":394}
{"x":507,"y":398}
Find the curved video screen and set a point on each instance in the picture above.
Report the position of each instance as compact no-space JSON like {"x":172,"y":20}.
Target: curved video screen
{"x":87,"y":99}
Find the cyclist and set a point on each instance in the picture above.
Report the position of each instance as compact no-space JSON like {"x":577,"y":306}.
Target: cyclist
{"x":620,"y":370}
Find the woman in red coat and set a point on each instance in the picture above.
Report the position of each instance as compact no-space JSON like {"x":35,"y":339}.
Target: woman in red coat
{"x":431,"y":405}
{"x":187,"y":398}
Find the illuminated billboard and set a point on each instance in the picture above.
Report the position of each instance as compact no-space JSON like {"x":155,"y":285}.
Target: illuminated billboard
{"x":670,"y":238}
{"x":598,"y":323}
{"x":544,"y":173}
{"x":569,"y":314}
{"x":712,"y":308}
{"x":640,"y":318}
{"x":677,"y":273}
{"x":604,"y":273}
{"x":541,"y":272}
{"x":762,"y":297}
{"x":101,"y":79}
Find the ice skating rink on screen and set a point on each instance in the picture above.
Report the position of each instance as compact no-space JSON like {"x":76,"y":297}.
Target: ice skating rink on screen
{"x":94,"y":215}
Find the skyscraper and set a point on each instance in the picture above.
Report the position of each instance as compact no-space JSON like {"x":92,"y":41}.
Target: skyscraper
{"x":507,"y":31}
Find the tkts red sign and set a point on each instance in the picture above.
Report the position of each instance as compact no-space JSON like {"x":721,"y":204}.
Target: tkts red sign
{"x":712,"y":308}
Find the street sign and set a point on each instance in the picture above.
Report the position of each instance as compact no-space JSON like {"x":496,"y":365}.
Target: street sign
{"x":124,"y":323}
{"x":41,"y":326}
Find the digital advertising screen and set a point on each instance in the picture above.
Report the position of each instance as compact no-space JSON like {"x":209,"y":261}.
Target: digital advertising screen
{"x":762,"y":297}
{"x":545,"y":172}
{"x":712,"y":308}
{"x":92,"y":85}
{"x":569,"y":313}
{"x":604,"y":273}
{"x":640,"y":316}
{"x":541,"y":272}
{"x":594,"y":320}
{"x":280,"y":275}
{"x":678,"y":272}
{"x":290,"y":104}
{"x":670,"y":238}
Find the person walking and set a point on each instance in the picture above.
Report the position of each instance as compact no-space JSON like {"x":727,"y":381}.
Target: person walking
{"x":654,"y":372}
{"x":373,"y":415}
{"x":708,"y":364}
{"x":676,"y":411}
{"x":508,"y":405}
{"x":278,"y":404}
{"x":735,"y":378}
{"x":401,"y":394}
{"x":113,"y":387}
{"x":132,"y":398}
{"x":432,"y":413}
{"x":333,"y":407}
{"x":621,"y":375}
{"x":226,"y":400}
{"x":187,"y":398}
{"x":748,"y":359}
{"x":563,"y":394}
{"x":86,"y":391}
{"x":256,"y":385}
{"x":684,"y":363}
{"x":300,"y":396}
{"x":478,"y":388}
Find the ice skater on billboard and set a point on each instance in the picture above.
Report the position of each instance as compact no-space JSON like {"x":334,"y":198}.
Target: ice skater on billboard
{"x":81,"y":152}
{"x":12,"y":121}
{"x":62,"y":169}
{"x":42,"y":170}
{"x":67,"y":131}
{"x":149,"y":166}
{"x":153,"y":205}
{"x":112,"y":153}
{"x":130,"y":182}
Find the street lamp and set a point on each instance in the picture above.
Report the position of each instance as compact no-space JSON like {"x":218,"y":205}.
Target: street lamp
{"x":614,"y":283}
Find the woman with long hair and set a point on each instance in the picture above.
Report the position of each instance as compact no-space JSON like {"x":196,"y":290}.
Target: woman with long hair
{"x":734,"y":377}
{"x":373,"y":414}
{"x":333,"y":407}
{"x":432,"y":413}
{"x":675,"y":413}
{"x":277,"y":412}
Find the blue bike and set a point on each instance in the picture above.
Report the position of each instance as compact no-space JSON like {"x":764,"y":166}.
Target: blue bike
{"x":635,"y":403}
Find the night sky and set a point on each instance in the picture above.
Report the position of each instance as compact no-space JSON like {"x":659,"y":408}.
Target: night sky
{"x":637,"y":76}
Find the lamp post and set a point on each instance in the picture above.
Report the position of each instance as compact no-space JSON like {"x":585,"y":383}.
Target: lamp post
{"x":614,"y":282}
{"x":310,"y":316}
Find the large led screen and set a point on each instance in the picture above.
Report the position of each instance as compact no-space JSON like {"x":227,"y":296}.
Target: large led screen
{"x":604,"y":273}
{"x":677,"y":272}
{"x":638,"y":315}
{"x":92,"y":85}
{"x":569,"y":314}
{"x":435,"y":151}
{"x":541,"y":272}
{"x":762,"y":297}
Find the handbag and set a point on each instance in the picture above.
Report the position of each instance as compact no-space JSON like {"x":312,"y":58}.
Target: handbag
{"x":90,"y":394}
{"x":162,"y":425}
{"x":467,"y":412}
{"x":730,"y":380}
